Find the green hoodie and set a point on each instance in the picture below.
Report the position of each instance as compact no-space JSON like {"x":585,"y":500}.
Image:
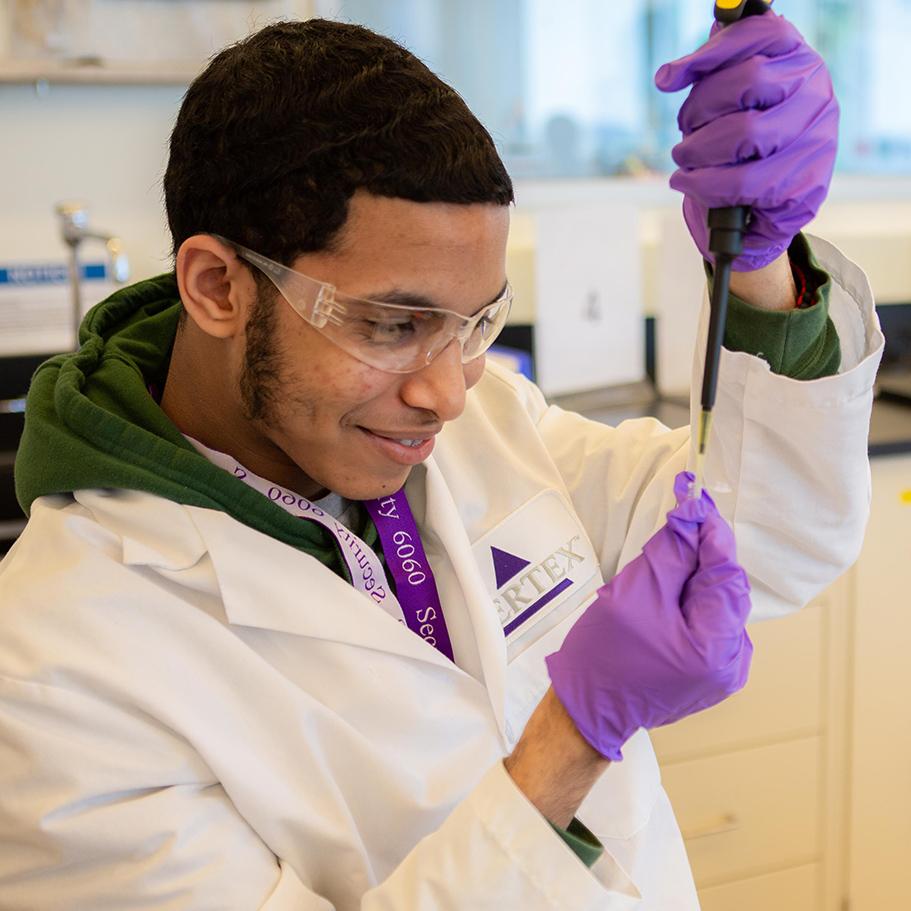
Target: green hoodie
{"x":90,"y":422}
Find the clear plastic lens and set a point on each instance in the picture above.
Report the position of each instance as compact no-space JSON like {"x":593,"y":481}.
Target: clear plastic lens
{"x":386,"y":336}
{"x":402,"y":340}
{"x":486,"y":330}
{"x":379,"y":327}
{"x":409,"y":339}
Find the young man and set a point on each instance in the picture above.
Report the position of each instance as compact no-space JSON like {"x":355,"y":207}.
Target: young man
{"x":301,"y":571}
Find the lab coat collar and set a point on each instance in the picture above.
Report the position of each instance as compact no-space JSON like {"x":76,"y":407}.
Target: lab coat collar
{"x":266,"y":584}
{"x":137,"y":518}
{"x":269,"y":585}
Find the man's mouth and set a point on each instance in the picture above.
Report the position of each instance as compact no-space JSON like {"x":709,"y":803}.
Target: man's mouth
{"x":412,"y":443}
{"x":405,"y":447}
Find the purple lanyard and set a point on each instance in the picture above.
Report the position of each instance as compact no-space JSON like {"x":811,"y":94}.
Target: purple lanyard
{"x":418,"y":602}
{"x":415,"y":585}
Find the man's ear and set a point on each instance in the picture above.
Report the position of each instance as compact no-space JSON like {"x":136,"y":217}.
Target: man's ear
{"x":216,"y":287}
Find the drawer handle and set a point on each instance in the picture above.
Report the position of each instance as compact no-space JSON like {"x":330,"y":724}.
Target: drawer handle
{"x":728,"y":823}
{"x":592,"y":309}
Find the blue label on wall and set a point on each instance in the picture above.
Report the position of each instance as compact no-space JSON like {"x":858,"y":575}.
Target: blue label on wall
{"x":32,"y":274}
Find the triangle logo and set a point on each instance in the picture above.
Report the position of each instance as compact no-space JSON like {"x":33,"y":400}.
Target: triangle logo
{"x":506,"y":565}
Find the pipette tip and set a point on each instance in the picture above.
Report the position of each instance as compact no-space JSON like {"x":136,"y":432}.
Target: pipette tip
{"x":705,"y":426}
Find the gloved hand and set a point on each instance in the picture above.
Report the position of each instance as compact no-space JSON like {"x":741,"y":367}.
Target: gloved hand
{"x":665,"y":637}
{"x":760,"y":128}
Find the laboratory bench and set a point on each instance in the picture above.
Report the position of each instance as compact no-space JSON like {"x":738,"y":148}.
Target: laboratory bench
{"x":890,"y":426}
{"x":890,"y":423}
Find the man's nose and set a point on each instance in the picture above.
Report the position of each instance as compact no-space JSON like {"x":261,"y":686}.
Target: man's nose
{"x":439,"y":386}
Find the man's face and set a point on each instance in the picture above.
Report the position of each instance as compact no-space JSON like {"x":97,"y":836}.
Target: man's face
{"x":340,"y":421}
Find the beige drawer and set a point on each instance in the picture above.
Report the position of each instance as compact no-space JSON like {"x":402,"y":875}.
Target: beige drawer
{"x":783,"y":697}
{"x":748,"y":810}
{"x":796,"y":889}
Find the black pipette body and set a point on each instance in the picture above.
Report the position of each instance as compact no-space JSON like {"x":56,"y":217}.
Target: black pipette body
{"x":726,"y":227}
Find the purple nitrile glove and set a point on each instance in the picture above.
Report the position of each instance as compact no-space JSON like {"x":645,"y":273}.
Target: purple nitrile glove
{"x":760,"y":129}
{"x":665,"y":637}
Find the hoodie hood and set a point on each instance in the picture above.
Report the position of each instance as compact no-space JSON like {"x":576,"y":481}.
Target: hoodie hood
{"x":91,"y":422}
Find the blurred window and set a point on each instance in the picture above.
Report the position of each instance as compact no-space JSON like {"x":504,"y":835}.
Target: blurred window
{"x":565,"y":88}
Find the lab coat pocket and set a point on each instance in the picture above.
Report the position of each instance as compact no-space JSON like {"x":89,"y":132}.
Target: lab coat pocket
{"x":622,"y":800}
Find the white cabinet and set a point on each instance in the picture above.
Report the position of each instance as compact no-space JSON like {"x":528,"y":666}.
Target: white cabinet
{"x":880,"y":782}
{"x":748,"y":811}
{"x":757,"y":782}
{"x":796,"y":793}
{"x":577,"y":278}
{"x":783,"y":698}
{"x":678,"y":287}
{"x":794,"y":888}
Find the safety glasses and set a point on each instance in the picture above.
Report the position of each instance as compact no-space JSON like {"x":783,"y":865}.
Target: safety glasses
{"x":390,"y":337}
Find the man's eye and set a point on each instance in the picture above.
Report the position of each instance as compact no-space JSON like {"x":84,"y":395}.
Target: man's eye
{"x":486,"y":323}
{"x":385,"y":332}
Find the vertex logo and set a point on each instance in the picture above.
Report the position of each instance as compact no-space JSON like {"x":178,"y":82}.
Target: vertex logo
{"x":524,"y":588}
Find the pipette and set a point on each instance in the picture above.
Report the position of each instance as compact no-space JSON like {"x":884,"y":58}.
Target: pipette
{"x":726,"y":227}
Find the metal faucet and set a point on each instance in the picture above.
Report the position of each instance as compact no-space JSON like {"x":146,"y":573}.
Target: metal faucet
{"x":74,"y":226}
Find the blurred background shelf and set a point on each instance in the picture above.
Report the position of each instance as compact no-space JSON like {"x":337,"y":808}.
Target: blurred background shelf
{"x":93,"y":71}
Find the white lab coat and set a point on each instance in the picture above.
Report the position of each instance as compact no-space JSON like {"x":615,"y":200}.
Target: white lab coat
{"x":194,"y":715}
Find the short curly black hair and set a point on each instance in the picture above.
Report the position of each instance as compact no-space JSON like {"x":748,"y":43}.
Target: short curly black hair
{"x":280,"y":130}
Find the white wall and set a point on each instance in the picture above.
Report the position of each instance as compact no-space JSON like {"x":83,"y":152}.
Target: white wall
{"x":106,"y":145}
{"x":868,"y":218}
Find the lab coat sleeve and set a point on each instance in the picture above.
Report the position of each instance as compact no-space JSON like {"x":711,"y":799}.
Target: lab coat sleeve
{"x":180,"y":844}
{"x":787,"y":462}
{"x":496,"y":851}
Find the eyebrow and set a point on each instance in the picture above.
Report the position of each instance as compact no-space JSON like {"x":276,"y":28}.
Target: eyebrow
{"x":410,"y":299}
